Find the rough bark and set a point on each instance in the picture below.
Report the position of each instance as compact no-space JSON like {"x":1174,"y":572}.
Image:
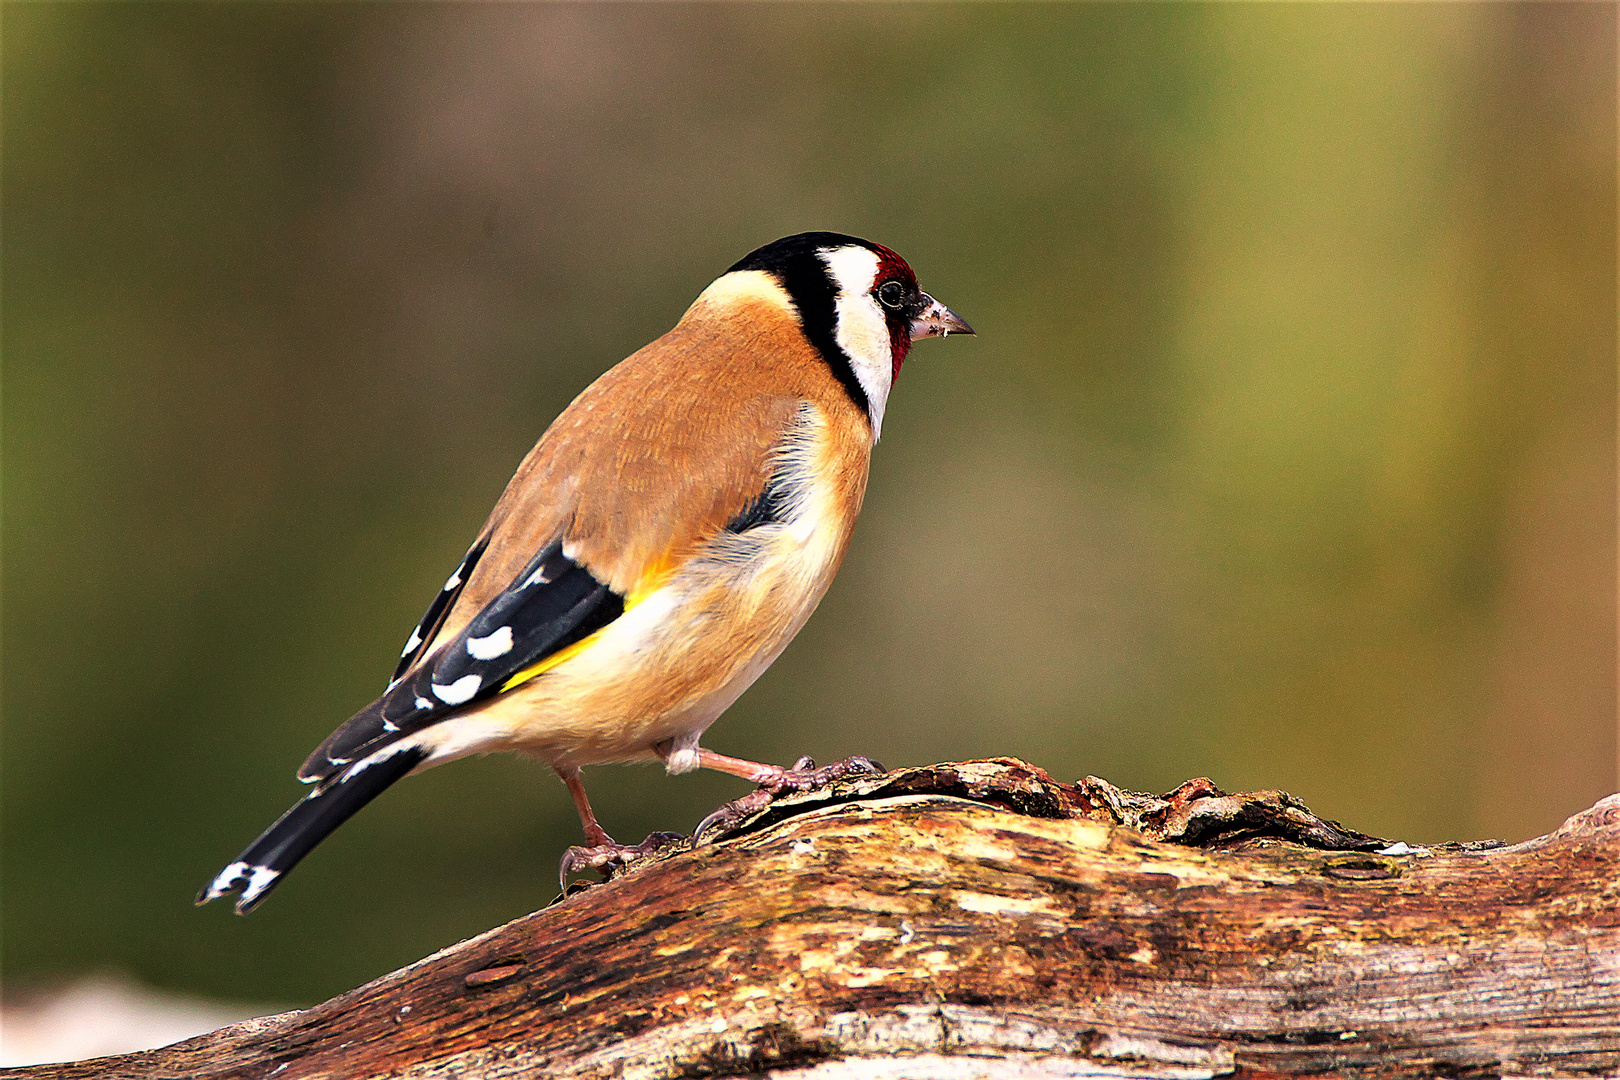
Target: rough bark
{"x":979,"y":919}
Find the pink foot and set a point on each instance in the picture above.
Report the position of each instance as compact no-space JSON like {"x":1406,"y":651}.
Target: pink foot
{"x":804,"y":776}
{"x":607,"y":855}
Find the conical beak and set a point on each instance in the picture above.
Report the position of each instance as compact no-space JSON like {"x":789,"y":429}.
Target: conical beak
{"x":937,"y":320}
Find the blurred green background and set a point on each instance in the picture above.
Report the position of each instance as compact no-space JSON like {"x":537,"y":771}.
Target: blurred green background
{"x":1285,"y":455}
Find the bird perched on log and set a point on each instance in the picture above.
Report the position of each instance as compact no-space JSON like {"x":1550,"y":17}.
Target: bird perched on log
{"x":657,"y":549}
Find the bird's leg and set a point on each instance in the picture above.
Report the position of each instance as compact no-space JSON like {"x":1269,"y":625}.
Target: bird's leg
{"x":773,"y":780}
{"x":601,"y":850}
{"x":595,"y":835}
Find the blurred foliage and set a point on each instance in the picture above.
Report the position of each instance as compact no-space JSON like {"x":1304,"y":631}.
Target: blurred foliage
{"x":1285,"y":453}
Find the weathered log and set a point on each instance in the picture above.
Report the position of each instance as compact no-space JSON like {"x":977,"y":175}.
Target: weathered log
{"x":982,"y":920}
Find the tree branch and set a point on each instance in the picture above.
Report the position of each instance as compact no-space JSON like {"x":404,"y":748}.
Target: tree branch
{"x":979,"y":919}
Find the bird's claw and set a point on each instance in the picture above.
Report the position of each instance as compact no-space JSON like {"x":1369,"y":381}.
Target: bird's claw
{"x":804,"y":776}
{"x":733,"y":812}
{"x":605,"y":857}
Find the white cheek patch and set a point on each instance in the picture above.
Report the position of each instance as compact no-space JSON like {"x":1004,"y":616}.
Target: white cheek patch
{"x":862,"y":331}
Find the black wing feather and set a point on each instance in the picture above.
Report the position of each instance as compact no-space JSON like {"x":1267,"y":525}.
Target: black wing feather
{"x":552,"y":603}
{"x":437,"y":610}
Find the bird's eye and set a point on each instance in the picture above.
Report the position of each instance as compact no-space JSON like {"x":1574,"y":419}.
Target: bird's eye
{"x":891,"y":294}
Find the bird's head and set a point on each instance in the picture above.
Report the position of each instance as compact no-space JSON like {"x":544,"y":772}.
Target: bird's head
{"x":859,"y":305}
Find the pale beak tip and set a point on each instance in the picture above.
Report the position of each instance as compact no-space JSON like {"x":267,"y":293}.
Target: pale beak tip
{"x":939,"y":321}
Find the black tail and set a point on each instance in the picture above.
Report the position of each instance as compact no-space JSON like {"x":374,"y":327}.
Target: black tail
{"x":295,"y":834}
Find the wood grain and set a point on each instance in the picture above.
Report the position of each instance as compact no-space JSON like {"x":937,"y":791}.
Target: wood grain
{"x":979,"y":919}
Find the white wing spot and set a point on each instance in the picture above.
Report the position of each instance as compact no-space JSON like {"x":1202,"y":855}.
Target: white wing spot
{"x":536,"y":578}
{"x":453,"y":581}
{"x":410,"y":646}
{"x":389,"y":725}
{"x":488,"y":648}
{"x":459,"y":691}
{"x":423,"y":703}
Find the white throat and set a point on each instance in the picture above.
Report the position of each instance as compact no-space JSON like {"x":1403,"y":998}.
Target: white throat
{"x":861,"y":331}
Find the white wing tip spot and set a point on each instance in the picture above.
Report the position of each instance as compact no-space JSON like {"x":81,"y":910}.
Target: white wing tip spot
{"x":460,"y":691}
{"x":488,"y":648}
{"x":423,"y":703}
{"x":410,"y":646}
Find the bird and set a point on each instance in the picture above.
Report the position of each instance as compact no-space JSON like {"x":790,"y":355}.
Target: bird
{"x":654,"y":553}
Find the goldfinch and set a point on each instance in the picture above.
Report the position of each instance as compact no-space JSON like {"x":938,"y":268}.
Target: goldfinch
{"x":657,"y":549}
